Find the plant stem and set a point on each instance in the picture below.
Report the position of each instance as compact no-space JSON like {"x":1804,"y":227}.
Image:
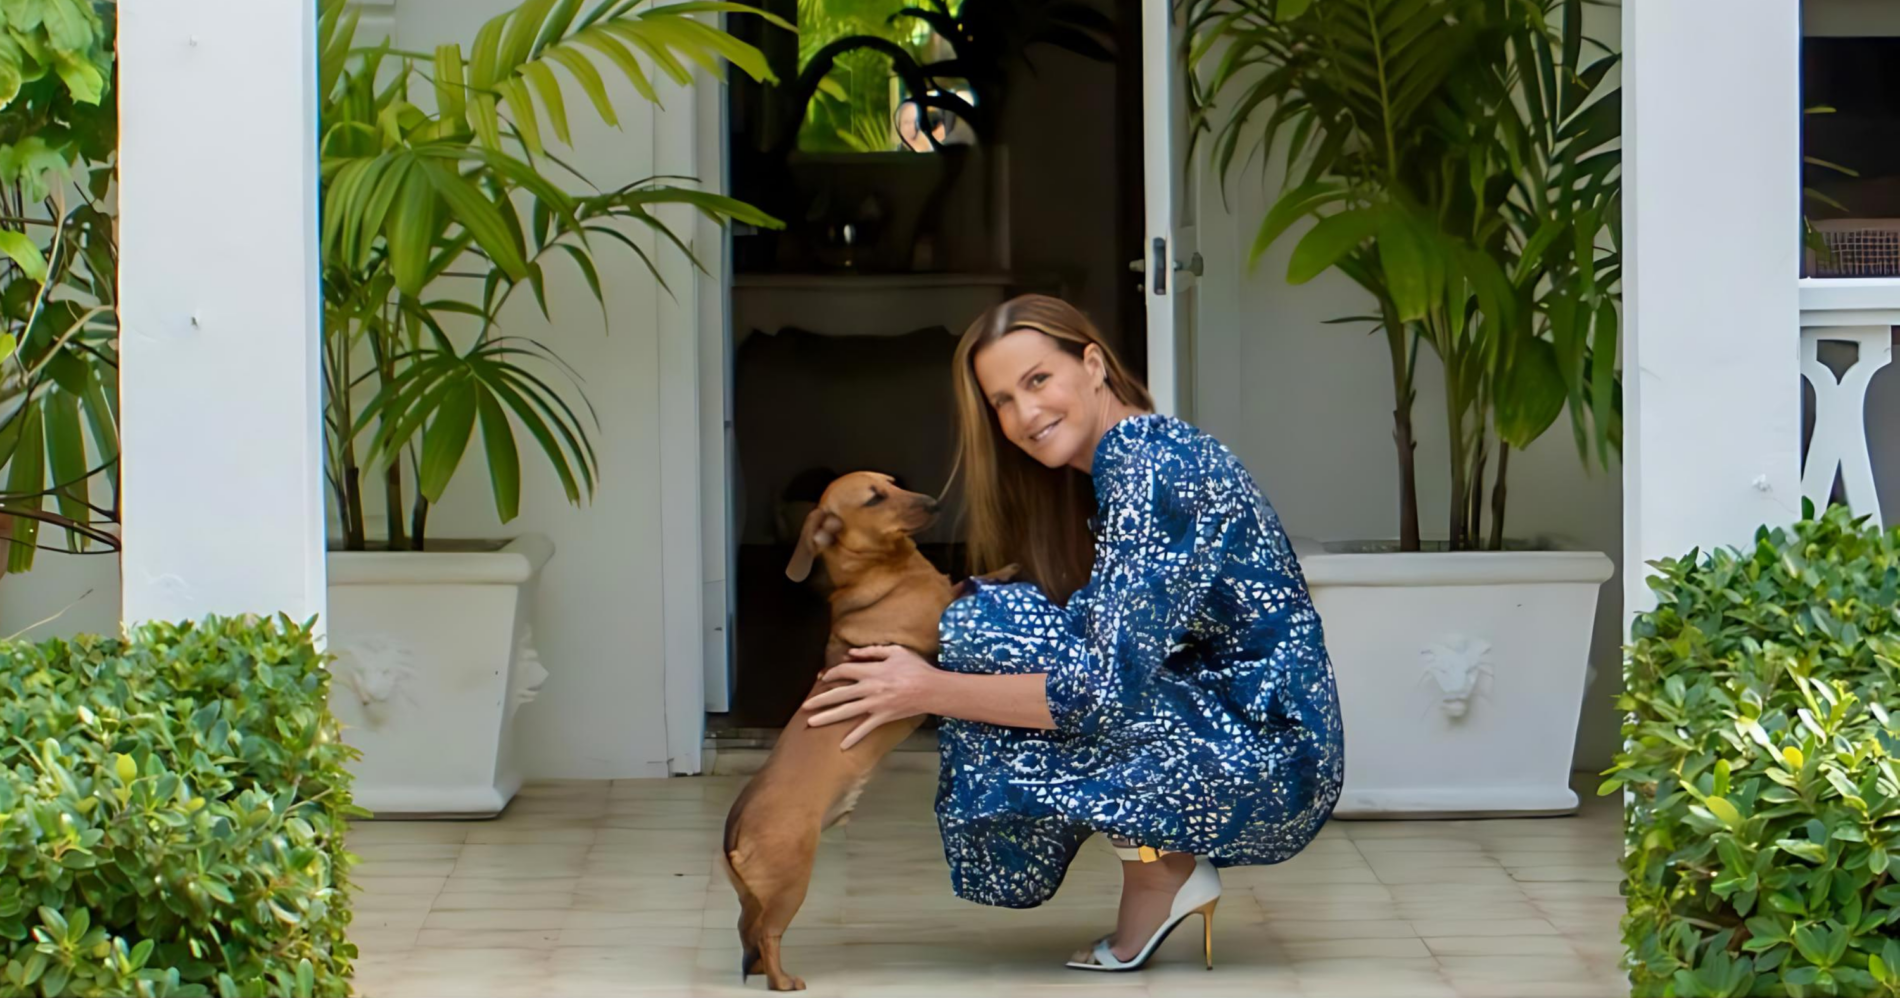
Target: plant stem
{"x":1480,"y":456}
{"x":1460,"y":447}
{"x":1498,"y":496}
{"x":351,"y":511}
{"x":109,"y":541}
{"x":1402,"y":362}
{"x":392,"y":476}
{"x":353,"y":534}
{"x":419,"y":523}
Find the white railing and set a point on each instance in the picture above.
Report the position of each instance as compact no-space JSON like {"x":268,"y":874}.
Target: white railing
{"x":1861,"y":312}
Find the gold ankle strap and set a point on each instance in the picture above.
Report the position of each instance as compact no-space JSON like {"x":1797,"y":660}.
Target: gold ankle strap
{"x":1139,"y":854}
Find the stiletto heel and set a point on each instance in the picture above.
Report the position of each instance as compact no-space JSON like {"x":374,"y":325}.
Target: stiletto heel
{"x":1198,"y":896}
{"x":1207,"y":930}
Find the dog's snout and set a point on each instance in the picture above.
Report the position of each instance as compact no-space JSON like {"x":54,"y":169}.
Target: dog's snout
{"x":931,"y":506}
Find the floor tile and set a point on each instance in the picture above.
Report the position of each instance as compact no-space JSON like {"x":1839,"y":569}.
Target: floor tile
{"x":605,"y":889}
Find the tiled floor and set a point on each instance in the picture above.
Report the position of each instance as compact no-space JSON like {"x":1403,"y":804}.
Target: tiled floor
{"x":603,"y":889}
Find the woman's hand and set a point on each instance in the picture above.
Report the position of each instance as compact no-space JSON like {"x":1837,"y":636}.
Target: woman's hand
{"x":883,"y":683}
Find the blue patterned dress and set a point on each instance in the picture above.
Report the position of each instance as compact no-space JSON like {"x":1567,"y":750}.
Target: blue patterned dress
{"x":1194,"y":701}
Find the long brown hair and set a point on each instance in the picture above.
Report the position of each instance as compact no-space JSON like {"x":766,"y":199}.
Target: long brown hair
{"x":1017,"y":511}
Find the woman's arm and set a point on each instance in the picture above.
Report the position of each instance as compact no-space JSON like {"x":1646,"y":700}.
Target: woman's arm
{"x":1007,"y":701}
{"x":886,"y":683}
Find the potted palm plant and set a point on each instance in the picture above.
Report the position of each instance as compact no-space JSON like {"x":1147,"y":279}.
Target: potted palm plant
{"x":1457,"y":160}
{"x":432,"y":220}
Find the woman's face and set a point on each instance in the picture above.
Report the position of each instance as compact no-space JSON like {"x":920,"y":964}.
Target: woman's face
{"x":1047,"y":400}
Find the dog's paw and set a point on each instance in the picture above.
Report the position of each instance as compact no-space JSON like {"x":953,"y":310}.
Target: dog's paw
{"x":998,"y":577}
{"x":1004,"y":574}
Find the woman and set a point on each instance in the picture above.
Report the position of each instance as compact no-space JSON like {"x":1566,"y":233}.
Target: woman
{"x":1160,"y":677}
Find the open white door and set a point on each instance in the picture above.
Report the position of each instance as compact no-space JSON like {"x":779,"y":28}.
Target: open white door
{"x":1170,"y":254}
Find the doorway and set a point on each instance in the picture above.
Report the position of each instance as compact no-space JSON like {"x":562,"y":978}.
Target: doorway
{"x":904,"y":222}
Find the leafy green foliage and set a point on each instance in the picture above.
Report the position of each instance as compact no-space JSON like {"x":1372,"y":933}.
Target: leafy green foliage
{"x":1458,"y":160}
{"x":1764,"y":805}
{"x":59,"y":379}
{"x":175,"y":808}
{"x":57,"y":38}
{"x":433,"y":218}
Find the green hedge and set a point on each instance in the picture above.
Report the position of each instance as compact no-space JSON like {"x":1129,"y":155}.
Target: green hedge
{"x":1764,"y":806}
{"x":174,"y":806}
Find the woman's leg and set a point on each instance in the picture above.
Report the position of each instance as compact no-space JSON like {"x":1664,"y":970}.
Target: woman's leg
{"x":1148,"y":890}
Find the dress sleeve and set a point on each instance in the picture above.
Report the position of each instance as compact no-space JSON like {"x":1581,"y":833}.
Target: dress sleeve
{"x":1161,"y":542}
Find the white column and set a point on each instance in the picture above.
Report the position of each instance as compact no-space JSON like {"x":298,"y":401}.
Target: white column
{"x":677,"y":332}
{"x":1711,"y":188}
{"x":223,"y":503}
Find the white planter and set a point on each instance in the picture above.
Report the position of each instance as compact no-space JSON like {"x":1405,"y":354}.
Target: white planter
{"x":1461,"y":676}
{"x":434,"y":656}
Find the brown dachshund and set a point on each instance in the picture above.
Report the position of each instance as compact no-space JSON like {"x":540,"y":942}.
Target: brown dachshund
{"x":885,"y":593}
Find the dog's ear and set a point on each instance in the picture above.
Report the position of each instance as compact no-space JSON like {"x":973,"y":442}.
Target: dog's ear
{"x":814,"y":537}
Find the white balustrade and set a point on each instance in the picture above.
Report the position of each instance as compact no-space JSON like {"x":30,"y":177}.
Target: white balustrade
{"x":1862,"y":312}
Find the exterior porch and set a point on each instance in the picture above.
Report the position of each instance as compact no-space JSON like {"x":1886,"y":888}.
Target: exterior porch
{"x":597,"y":888}
{"x":599,"y":878}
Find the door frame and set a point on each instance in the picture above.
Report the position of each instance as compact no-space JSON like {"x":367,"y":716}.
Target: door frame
{"x":690,"y":331}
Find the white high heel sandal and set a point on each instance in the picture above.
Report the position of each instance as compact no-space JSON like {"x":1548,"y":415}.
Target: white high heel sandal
{"x":1198,"y":896}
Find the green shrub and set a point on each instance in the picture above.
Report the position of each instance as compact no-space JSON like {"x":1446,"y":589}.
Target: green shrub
{"x":174,"y":806}
{"x":1764,"y":804}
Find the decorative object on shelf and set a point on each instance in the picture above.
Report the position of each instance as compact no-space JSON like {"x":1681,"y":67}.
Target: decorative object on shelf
{"x":1458,"y":160}
{"x":941,"y":81}
{"x":985,"y":38}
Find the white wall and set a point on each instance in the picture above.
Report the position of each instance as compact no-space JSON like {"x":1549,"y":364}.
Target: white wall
{"x":1308,"y":408}
{"x":598,"y":626}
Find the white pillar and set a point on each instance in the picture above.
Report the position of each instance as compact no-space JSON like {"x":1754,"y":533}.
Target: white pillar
{"x":1711,"y":188}
{"x":219,"y":371}
{"x":677,"y":335}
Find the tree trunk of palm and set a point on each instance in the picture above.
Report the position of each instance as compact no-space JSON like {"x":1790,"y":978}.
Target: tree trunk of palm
{"x":354,"y":536}
{"x":418,"y":523}
{"x":1402,"y":438}
{"x":1498,"y":497}
{"x":1475,"y":525}
{"x":1460,"y":463}
{"x":392,"y":477}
